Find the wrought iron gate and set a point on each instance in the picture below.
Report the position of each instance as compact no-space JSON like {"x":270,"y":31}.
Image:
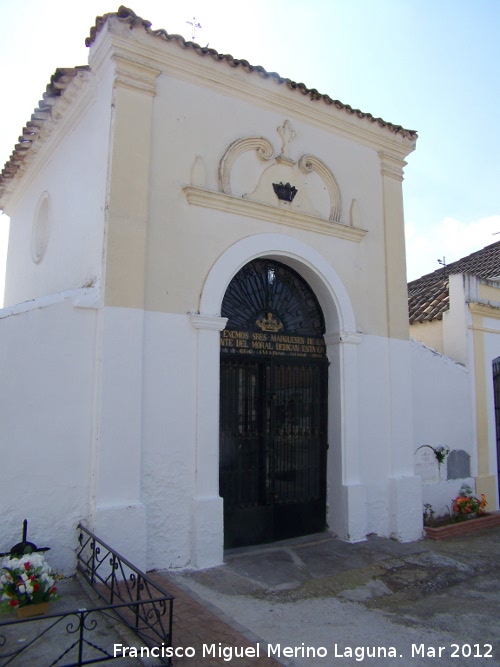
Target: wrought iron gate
{"x":272,"y":449}
{"x":273,"y":415}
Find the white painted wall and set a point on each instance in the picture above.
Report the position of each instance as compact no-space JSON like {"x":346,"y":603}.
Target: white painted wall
{"x":46,"y":404}
{"x":443,"y":416}
{"x":168,"y":466}
{"x":72,"y":168}
{"x":386,"y":438}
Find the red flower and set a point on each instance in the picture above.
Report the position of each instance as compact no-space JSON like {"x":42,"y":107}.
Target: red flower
{"x":13,"y":603}
{"x":27,"y":565}
{"x":36,"y":587}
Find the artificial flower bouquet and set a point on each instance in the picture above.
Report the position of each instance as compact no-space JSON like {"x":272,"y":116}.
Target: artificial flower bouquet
{"x":466,"y":505}
{"x":27,"y":580}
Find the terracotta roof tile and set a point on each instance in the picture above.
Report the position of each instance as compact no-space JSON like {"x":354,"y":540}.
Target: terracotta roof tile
{"x":59,"y":81}
{"x":428,"y":296}
{"x":61,"y":78}
{"x":127,"y":15}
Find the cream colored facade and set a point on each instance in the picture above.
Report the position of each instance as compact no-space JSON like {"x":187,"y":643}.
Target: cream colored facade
{"x":149,"y":187}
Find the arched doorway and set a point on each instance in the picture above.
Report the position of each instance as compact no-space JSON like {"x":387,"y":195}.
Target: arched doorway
{"x":273,"y":406}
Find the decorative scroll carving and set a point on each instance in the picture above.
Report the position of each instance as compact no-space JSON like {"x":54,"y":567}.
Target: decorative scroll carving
{"x":264,"y":151}
{"x":309,"y":163}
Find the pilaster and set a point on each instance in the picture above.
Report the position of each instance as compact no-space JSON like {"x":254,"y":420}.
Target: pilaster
{"x":128,"y":183}
{"x":344,"y":473}
{"x":207,"y":533}
{"x":391,"y":168}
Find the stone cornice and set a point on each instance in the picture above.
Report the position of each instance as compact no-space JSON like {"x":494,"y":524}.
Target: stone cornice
{"x":485,"y":309}
{"x":135,"y":77}
{"x":252,"y":209}
{"x":391,"y":165}
{"x":207,"y":322}
{"x":84,"y":297}
{"x":338,"y":337}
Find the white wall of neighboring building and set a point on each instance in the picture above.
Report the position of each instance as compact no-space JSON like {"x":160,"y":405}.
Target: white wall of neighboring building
{"x":443,"y":416}
{"x":47,"y":399}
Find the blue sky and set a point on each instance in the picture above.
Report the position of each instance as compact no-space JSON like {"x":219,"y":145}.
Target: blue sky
{"x":429,"y":65}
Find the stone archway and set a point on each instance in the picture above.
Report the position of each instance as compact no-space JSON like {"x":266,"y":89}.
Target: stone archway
{"x":343,"y":474}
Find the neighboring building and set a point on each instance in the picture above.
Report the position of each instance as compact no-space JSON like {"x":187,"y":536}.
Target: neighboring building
{"x":205,"y":297}
{"x":456,"y":311}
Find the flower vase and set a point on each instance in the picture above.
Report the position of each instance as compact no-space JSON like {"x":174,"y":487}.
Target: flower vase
{"x":33,"y":610}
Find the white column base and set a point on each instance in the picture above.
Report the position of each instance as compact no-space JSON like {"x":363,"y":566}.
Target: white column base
{"x":351,"y":524}
{"x":124,"y":528}
{"x":207,"y":547}
{"x":406,"y":514}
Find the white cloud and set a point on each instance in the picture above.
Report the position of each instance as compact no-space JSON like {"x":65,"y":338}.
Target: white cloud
{"x":449,"y":238}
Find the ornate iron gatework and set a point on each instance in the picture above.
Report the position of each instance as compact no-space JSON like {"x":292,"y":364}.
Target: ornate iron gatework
{"x":272,"y":311}
{"x":273,"y":407}
{"x":82,"y":637}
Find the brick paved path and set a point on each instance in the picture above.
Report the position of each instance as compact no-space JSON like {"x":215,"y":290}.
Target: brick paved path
{"x":195,"y":625}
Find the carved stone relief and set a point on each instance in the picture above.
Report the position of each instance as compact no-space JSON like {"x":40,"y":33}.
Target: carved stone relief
{"x":285,"y":182}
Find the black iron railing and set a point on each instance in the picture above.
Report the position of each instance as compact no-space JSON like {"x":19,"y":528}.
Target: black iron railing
{"x":148,"y":608}
{"x":70,"y":639}
{"x":88,"y":636}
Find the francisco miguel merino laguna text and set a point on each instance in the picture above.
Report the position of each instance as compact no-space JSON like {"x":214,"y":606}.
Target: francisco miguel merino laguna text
{"x":227,"y":653}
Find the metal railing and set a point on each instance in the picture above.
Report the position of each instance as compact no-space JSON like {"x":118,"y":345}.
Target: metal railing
{"x":85,"y":636}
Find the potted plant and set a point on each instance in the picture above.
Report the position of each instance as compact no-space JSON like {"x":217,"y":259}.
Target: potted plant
{"x":465,"y":506}
{"x":27,"y":585}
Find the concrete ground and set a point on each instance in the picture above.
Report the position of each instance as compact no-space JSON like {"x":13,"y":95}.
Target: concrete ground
{"x":318,"y":601}
{"x":423,"y":603}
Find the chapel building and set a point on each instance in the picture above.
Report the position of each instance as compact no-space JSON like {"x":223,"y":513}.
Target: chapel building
{"x":206,"y":309}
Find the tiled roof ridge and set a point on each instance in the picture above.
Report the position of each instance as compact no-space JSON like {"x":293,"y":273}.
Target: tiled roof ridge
{"x":460,"y":264}
{"x":428,"y":296}
{"x":58,"y":83}
{"x":126,"y":14}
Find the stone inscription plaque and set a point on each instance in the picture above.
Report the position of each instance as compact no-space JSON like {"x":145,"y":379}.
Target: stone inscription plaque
{"x":458,"y":464}
{"x":271,"y":344}
{"x":426,"y":465}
